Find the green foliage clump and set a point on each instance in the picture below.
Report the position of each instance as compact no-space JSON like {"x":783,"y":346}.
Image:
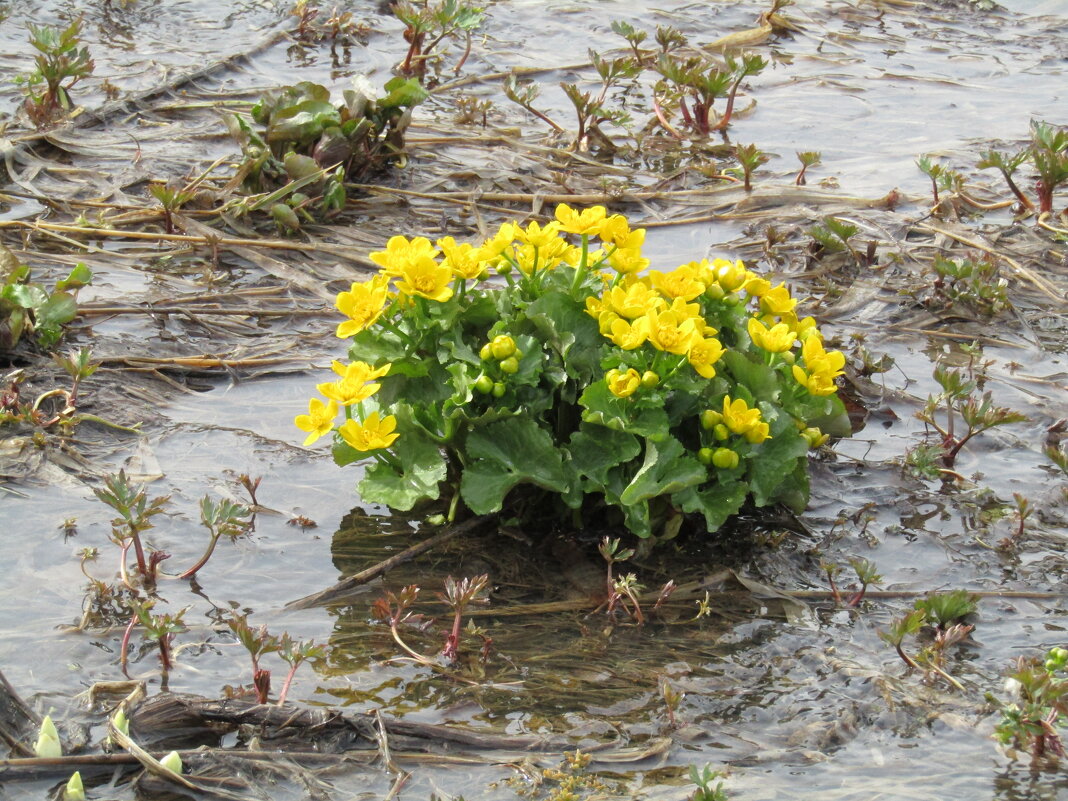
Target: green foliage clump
{"x":300,"y":147}
{"x":59,"y":64}
{"x":28,"y":307}
{"x":578,"y":385}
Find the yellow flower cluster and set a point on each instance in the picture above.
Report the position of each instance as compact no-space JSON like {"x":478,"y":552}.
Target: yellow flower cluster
{"x":821,"y":367}
{"x":740,"y":419}
{"x":657,"y":309}
{"x":355,"y":384}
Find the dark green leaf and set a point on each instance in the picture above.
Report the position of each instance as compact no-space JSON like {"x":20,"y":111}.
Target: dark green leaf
{"x":716,"y":503}
{"x":667,"y":468}
{"x":594,"y":450}
{"x":403,"y":92}
{"x":302,"y":122}
{"x":623,"y":414}
{"x":424,"y":469}
{"x":507,"y":453}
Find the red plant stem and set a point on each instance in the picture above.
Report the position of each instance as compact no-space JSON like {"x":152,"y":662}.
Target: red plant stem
{"x":663,"y":120}
{"x":800,"y":180}
{"x":725,"y":120}
{"x":1024,"y":200}
{"x":289,"y":680}
{"x":261,"y":680}
{"x":452,"y":642}
{"x":203,"y":559}
{"x":165,"y":652}
{"x":140,"y":552}
{"x":905,"y":657}
{"x":837,"y":596}
{"x":124,"y":647}
{"x":463,"y":59}
{"x":544,"y":119}
{"x":1045,"y":198}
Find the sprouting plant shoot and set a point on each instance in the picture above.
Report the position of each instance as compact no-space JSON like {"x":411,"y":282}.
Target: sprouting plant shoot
{"x":58,"y":65}
{"x":457,"y":595}
{"x":958,"y":400}
{"x":1038,"y":705}
{"x":295,"y":653}
{"x":808,"y":158}
{"x":258,"y":643}
{"x":158,"y":628}
{"x":867,"y":575}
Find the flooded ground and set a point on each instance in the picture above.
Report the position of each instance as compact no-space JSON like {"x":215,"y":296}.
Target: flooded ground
{"x":792,"y":696}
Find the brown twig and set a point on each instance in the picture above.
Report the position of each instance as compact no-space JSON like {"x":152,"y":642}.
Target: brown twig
{"x":346,"y":585}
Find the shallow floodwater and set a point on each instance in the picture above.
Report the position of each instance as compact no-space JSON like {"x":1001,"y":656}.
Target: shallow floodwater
{"x":792,"y":700}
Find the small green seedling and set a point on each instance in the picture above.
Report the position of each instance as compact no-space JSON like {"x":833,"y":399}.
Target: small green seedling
{"x":705,"y":790}
{"x":59,"y":64}
{"x":1039,"y":705}
{"x":808,"y":158}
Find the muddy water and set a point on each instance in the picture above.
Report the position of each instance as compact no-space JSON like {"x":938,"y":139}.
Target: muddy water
{"x":812,"y":699}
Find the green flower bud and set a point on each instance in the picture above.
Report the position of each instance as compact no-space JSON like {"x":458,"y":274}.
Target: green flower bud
{"x":75,"y":790}
{"x":285,"y":217}
{"x":486,"y":353}
{"x":715,"y":291}
{"x":725,"y":459}
{"x":710,"y":419}
{"x":650,"y":379}
{"x":704,"y":456}
{"x":48,"y":745}
{"x":172,"y":762}
{"x":504,"y":268}
{"x":502,"y":346}
{"x":510,"y":365}
{"x":483,"y":384}
{"x":720,"y":432}
{"x":499,"y":389}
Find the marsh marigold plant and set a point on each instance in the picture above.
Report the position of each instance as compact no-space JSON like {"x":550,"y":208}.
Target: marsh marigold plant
{"x":547,"y":368}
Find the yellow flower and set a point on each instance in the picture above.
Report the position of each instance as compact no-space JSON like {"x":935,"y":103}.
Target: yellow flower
{"x":777,"y":301}
{"x":703,"y":353}
{"x":588,"y":221}
{"x":679,"y":283}
{"x":821,"y":367}
{"x":758,"y":433}
{"x":493,"y":248}
{"x":803,"y":328}
{"x":362,"y":304}
{"x":400,"y":252}
{"x":737,"y":415}
{"x":426,"y":278}
{"x":622,"y":384}
{"x":462,"y":259}
{"x":778,"y":339}
{"x":633,"y":298}
{"x":627,"y":261}
{"x":756,"y":286}
{"x":353,"y":386}
{"x":318,"y":422}
{"x":671,"y":330}
{"x":693,"y":310}
{"x":730,"y":275}
{"x":614,"y":228}
{"x":371,"y":435}
{"x":629,"y":335}
{"x":537,"y":236}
